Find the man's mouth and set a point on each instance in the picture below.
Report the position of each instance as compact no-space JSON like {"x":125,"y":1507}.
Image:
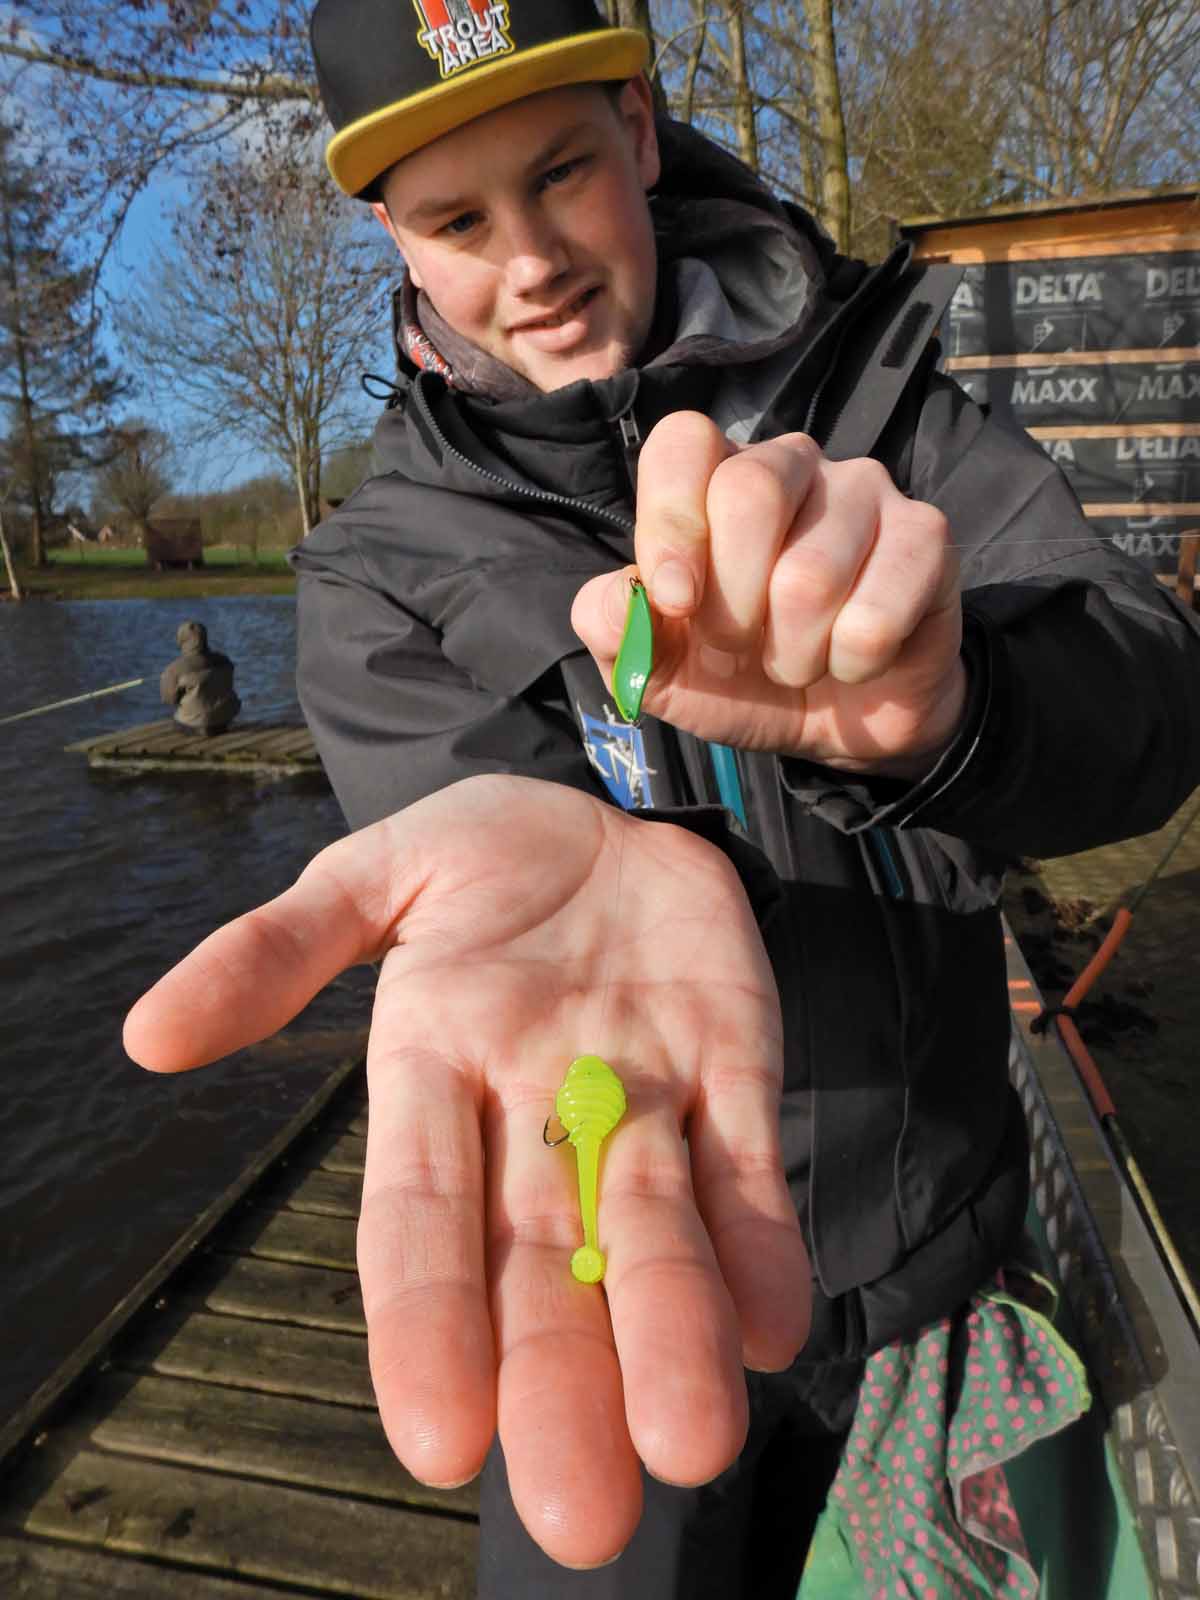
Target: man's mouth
{"x":563,"y":314}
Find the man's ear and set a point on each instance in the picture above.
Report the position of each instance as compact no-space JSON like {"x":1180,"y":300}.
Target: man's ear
{"x":635,"y":107}
{"x":384,"y":217}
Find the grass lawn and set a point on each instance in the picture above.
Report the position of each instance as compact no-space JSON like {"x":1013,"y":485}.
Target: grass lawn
{"x":99,"y":572}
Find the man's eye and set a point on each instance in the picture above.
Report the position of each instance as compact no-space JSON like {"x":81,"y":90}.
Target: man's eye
{"x":563,"y":170}
{"x":463,"y":224}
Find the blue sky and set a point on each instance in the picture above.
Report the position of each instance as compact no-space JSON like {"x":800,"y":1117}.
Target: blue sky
{"x":146,"y":229}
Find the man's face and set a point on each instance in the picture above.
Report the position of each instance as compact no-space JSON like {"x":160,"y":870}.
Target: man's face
{"x":529,"y":230}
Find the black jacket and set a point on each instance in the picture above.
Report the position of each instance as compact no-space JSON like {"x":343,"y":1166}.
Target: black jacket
{"x":435,"y":643}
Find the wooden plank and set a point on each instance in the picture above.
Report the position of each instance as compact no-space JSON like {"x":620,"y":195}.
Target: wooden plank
{"x":233,"y":768}
{"x":331,"y":1194}
{"x":284,"y":741}
{"x":301,"y":1443}
{"x":30,"y":1570}
{"x":270,"y":743}
{"x":295,"y":1236}
{"x":1118,"y":430}
{"x":1133,"y":230}
{"x":348,"y":1154}
{"x":246,"y":1353}
{"x":1073,"y":358}
{"x":25,"y":1420}
{"x":1080,"y":248}
{"x":1185,"y":572}
{"x":277,"y":1291}
{"x":1143,"y":508}
{"x":221,"y":746}
{"x":104,"y":740}
{"x":199,"y":1520}
{"x":1181,"y":200}
{"x":168,"y":737}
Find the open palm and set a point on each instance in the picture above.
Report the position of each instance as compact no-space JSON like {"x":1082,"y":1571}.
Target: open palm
{"x":521,"y":924}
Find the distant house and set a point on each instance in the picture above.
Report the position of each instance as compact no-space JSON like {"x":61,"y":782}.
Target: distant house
{"x":173,"y":542}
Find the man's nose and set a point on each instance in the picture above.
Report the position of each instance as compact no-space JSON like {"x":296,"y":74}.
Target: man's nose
{"x":537,"y":254}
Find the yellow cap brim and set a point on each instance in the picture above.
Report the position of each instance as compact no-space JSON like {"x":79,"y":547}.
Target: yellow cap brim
{"x":360,"y":152}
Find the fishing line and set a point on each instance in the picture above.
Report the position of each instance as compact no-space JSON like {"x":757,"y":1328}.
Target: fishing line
{"x":608,"y":944}
{"x":1082,"y":540}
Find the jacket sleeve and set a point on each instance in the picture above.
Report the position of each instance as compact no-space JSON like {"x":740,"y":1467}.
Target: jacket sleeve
{"x":1083,"y":723}
{"x":168,"y":684}
{"x":392,"y":718}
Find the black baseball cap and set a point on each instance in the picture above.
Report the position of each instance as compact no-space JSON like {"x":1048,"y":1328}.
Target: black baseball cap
{"x":396,"y":74}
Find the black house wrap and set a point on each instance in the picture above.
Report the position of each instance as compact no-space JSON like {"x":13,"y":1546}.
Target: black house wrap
{"x":1080,"y":323}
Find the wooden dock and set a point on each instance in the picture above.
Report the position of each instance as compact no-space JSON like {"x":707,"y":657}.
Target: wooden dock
{"x":219,"y":1438}
{"x":274,"y":749}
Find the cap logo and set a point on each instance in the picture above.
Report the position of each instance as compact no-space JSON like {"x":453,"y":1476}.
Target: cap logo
{"x":462,"y":33}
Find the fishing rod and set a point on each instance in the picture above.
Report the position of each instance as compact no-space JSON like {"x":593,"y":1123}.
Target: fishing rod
{"x":75,"y":699}
{"x":1063,"y":1016}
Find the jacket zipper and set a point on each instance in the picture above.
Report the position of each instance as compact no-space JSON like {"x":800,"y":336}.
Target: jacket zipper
{"x":723,"y":759}
{"x":543,"y":496}
{"x":631,"y":443}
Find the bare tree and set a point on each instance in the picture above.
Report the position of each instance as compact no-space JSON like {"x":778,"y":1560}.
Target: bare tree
{"x":133,"y":90}
{"x":13,"y":585}
{"x":139,"y":473}
{"x":636,"y":14}
{"x":1098,"y":91}
{"x":921,"y":137}
{"x":54,"y":381}
{"x":834,"y":207}
{"x":261,"y":320}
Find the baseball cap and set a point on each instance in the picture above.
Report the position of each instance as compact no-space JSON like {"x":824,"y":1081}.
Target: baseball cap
{"x":396,"y":74}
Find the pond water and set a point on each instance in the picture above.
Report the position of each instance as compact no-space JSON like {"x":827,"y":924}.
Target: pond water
{"x":106,"y":880}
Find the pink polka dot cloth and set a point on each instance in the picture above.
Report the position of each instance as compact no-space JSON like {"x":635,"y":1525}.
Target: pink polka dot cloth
{"x":920,"y":1507}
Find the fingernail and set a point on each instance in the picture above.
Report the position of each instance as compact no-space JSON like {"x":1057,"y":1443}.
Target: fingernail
{"x":673,"y":585}
{"x":616,"y":600}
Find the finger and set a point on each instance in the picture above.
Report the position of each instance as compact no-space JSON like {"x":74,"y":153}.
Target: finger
{"x":572,"y":1469}
{"x":251,"y":977}
{"x":676,"y":463}
{"x":421,"y":1251}
{"x":598,"y":615}
{"x":742,"y":1194}
{"x":909,"y":574}
{"x":817,"y":568}
{"x":674,"y":1322}
{"x":754,"y":498}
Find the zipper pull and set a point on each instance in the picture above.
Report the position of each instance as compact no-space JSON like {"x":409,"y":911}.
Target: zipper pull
{"x":631,"y":442}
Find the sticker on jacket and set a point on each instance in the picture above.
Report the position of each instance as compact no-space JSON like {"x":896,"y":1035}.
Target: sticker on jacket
{"x":618,"y":753}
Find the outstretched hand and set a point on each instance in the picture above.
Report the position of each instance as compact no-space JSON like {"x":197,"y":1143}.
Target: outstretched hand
{"x":521,"y":924}
{"x":804,"y":606}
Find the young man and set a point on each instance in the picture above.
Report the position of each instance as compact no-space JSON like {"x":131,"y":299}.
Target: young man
{"x":889,"y":656}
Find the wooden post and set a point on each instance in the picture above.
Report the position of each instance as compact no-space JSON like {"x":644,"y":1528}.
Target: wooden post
{"x":1185,"y":576}
{"x":8,"y":563}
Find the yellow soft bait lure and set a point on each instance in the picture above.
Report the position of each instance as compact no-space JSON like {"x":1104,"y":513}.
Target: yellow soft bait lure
{"x":589,"y":1105}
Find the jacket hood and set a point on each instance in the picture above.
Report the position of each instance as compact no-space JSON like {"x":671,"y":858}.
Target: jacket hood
{"x":191,"y":636}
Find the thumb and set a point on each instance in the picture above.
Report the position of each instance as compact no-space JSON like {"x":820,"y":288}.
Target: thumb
{"x":598,"y":615}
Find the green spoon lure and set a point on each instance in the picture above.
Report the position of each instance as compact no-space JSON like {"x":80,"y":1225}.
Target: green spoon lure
{"x":589,"y":1105}
{"x":635,"y":658}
